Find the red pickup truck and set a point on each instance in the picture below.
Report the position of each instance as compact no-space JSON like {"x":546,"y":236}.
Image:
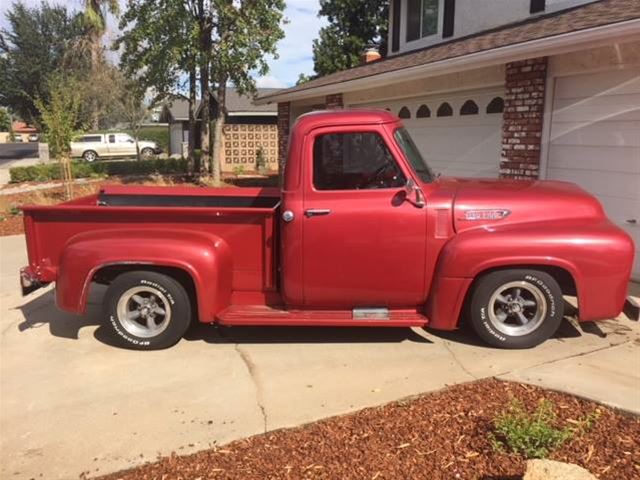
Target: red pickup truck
{"x":362,"y":233}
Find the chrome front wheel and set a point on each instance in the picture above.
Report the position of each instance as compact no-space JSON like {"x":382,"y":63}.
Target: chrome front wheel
{"x":517,"y":308}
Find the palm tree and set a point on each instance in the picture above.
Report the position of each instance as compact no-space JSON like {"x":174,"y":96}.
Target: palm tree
{"x":95,"y":20}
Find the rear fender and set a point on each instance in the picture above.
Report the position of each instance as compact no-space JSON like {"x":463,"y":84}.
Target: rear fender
{"x":205,"y":258}
{"x":597,"y":256}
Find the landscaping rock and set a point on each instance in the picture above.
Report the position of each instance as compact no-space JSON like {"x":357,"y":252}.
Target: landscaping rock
{"x":550,"y":470}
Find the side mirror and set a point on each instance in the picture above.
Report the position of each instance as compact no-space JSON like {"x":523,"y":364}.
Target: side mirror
{"x":414,"y":194}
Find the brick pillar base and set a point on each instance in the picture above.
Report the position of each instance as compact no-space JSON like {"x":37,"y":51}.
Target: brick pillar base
{"x":333,"y":101}
{"x":522,"y":118}
{"x":284,"y":121}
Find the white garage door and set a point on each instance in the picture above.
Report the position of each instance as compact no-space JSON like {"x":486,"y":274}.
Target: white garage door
{"x":595,"y":142}
{"x":459,"y":134}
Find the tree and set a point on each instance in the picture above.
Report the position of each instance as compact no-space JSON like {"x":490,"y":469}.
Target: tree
{"x":60,"y":120}
{"x":159,"y":49}
{"x":244,"y":33}
{"x":32,"y":48}
{"x":133,"y":108}
{"x":353,"y":26}
{"x":5,"y":120}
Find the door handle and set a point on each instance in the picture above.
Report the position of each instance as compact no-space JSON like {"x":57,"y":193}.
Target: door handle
{"x":632,"y":221}
{"x":316,"y":212}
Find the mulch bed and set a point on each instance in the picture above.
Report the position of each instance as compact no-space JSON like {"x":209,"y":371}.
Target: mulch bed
{"x":436,"y":436}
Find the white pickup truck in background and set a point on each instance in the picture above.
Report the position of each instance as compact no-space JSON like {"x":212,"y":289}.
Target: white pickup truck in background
{"x":93,"y":146}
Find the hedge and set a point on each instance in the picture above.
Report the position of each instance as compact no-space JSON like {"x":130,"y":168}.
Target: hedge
{"x":51,"y":171}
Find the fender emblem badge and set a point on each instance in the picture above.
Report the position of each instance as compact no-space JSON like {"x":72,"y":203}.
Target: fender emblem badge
{"x":488,"y":214}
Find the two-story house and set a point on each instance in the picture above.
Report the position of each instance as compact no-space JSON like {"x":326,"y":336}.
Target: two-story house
{"x":544,"y":89}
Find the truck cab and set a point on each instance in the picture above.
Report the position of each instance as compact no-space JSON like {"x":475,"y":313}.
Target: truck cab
{"x":362,"y":233}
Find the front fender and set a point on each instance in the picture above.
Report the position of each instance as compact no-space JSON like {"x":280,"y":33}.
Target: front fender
{"x":596,"y":254}
{"x":204,"y":257}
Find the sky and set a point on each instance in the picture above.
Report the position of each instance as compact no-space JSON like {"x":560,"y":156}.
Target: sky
{"x":295,"y":54}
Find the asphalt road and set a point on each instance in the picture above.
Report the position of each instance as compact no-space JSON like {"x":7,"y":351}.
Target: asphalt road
{"x":10,"y":152}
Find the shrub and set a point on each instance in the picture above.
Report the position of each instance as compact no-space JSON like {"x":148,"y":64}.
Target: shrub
{"x":51,"y":171}
{"x":533,"y":435}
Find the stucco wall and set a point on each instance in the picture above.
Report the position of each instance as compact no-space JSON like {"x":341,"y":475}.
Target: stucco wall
{"x":603,"y":58}
{"x":483,"y":77}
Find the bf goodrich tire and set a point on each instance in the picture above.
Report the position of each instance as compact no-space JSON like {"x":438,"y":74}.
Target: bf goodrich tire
{"x":147,"y":310}
{"x":516,"y":308}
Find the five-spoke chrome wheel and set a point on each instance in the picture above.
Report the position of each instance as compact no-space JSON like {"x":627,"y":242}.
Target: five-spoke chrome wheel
{"x":144,"y":311}
{"x":517,"y":308}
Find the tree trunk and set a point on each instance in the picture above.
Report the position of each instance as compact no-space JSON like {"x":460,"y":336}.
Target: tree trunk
{"x":218,"y":145}
{"x":205,"y":88}
{"x":192,"y":121}
{"x":95,"y":40}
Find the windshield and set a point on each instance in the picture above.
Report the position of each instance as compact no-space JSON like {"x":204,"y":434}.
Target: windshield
{"x":405,"y":142}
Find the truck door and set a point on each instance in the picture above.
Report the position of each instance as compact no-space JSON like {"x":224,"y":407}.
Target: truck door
{"x":363,"y":245}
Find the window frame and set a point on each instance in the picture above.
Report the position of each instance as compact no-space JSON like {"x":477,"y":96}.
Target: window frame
{"x":388,"y":141}
{"x":405,"y":24}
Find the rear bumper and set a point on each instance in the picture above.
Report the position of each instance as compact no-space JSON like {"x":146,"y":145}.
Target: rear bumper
{"x":29,"y":282}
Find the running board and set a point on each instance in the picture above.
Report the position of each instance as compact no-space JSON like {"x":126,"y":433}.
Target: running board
{"x":376,"y":317}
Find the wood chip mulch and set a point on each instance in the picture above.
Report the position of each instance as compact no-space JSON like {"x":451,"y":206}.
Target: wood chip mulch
{"x":436,"y":436}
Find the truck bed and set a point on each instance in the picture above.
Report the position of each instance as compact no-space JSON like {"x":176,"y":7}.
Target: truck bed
{"x":243,"y":217}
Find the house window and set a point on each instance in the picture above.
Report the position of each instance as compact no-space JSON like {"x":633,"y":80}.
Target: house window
{"x":537,"y":6}
{"x":496,"y":105}
{"x":445,"y":110}
{"x":422,"y":18}
{"x":469,"y":108}
{"x":423,"y":112}
{"x":354,"y":161}
{"x":404,"y":113}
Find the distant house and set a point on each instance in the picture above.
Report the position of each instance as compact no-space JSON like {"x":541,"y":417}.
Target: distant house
{"x":23,"y":130}
{"x":248,"y":129}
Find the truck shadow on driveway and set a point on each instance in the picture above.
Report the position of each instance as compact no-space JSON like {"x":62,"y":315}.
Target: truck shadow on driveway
{"x":41,"y":311}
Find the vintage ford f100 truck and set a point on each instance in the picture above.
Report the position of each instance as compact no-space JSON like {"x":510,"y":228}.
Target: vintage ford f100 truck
{"x":362,"y":233}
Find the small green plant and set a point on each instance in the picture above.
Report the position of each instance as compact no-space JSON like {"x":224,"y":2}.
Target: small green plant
{"x":533,"y":435}
{"x":261,"y":160}
{"x":14,"y":211}
{"x":238,"y":170}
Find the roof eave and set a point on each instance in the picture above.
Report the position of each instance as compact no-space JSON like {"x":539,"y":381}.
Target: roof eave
{"x":553,"y":45}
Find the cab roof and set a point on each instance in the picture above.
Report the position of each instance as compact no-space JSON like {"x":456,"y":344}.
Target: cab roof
{"x":324,"y":118}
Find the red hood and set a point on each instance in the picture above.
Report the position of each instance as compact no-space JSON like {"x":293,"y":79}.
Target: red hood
{"x":525,"y":201}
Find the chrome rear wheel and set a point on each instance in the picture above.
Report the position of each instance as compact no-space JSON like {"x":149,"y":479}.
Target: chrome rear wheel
{"x":144,"y":311}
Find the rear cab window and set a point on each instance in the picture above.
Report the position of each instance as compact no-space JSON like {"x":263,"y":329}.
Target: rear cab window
{"x":91,"y":139}
{"x":354,"y":161}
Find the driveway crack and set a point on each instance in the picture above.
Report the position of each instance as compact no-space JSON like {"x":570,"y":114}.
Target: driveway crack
{"x":253,"y":373}
{"x":556,"y":360}
{"x":460,"y":364}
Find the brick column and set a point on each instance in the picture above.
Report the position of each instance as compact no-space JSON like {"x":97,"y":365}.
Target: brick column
{"x":523,"y":118}
{"x":284,"y":123}
{"x":333,"y":101}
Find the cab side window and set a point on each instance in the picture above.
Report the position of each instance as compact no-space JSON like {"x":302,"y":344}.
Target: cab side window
{"x":112,"y":139}
{"x":354,"y":161}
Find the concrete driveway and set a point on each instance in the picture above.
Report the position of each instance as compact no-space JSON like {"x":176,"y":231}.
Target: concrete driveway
{"x":72,"y":403}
